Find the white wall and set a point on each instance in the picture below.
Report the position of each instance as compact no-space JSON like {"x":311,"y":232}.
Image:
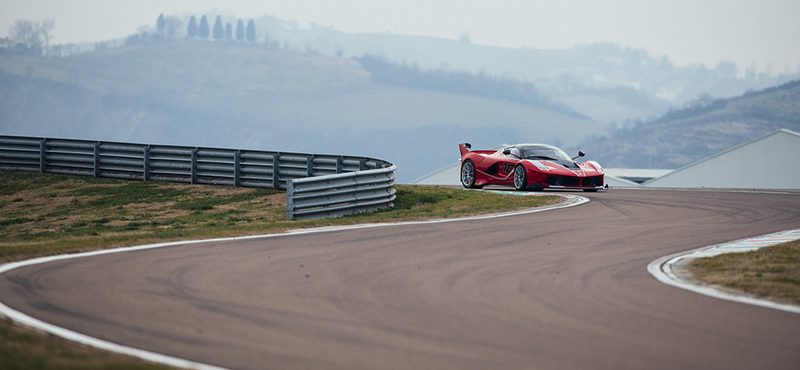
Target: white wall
{"x":769,"y":162}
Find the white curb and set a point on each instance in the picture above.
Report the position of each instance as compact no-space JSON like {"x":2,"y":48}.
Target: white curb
{"x":664,"y":268}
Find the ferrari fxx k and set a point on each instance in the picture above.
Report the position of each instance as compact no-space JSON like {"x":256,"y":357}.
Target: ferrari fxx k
{"x":528,"y":166}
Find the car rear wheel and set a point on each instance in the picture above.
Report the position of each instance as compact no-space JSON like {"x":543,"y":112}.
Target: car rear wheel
{"x":468,"y":174}
{"x":520,"y":178}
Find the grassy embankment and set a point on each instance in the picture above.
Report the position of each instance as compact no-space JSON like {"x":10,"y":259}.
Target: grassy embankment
{"x":772,"y":272}
{"x":43,"y":214}
{"x":49,"y":214}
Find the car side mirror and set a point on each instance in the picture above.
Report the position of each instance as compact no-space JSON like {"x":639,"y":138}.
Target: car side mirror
{"x":580,"y":154}
{"x":506,"y":151}
{"x":468,"y":145}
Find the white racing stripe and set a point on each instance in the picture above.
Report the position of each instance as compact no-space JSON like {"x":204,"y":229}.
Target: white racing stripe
{"x":664,"y":268}
{"x":19,"y":317}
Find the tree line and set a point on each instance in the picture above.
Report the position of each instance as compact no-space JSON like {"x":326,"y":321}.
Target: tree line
{"x":32,"y":38}
{"x":171,"y":26}
{"x":219,"y":33}
{"x":168,"y":26}
{"x":29,"y":38}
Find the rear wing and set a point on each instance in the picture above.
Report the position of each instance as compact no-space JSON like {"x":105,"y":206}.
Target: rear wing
{"x":465,"y":149}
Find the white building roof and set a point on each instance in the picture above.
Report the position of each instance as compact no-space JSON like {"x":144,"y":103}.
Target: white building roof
{"x":769,"y":162}
{"x":638,"y":175}
{"x":445,"y":176}
{"x":618,"y":182}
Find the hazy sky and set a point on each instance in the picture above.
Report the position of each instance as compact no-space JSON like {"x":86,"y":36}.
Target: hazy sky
{"x":687,"y":31}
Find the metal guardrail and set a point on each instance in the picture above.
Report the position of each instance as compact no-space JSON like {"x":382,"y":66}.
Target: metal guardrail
{"x":194,"y":165}
{"x":337,"y":195}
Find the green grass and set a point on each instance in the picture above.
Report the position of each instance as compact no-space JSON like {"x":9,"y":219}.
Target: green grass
{"x":22,"y":348}
{"x":771,"y":272}
{"x":44,"y":214}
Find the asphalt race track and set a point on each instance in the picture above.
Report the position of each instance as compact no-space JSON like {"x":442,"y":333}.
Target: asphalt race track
{"x":563,"y":289}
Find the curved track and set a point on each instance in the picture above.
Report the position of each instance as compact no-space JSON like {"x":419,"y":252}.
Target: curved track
{"x":565,"y":289}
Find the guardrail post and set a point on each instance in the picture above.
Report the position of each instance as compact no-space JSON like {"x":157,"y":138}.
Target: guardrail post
{"x":276,"y":169}
{"x":362,"y":164}
{"x":42,"y":155}
{"x":289,"y":200}
{"x":310,"y":166}
{"x":146,"y":169}
{"x":236,"y":161}
{"x":96,"y":160}
{"x":194,"y":165}
{"x":339,"y":164}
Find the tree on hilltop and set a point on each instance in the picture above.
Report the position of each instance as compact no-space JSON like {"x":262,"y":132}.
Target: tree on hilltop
{"x":251,"y":31}
{"x":171,"y":26}
{"x":46,"y":29}
{"x":240,"y":31}
{"x":26,"y":35}
{"x":160,"y":23}
{"x":202,"y":31}
{"x":218,"y":31}
{"x":228,"y":32}
{"x":24,"y":31}
{"x":192,"y":30}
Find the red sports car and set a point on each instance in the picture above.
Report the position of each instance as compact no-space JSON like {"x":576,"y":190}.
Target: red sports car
{"x":528,"y":166}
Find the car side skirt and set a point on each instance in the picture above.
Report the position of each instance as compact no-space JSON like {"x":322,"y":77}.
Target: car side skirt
{"x":574,"y":187}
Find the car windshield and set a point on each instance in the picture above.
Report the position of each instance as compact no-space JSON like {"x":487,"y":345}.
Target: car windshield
{"x":544,"y":152}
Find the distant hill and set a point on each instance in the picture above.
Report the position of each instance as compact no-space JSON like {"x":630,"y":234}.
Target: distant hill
{"x":607,"y":82}
{"x":610,"y":83}
{"x":704,"y":128}
{"x":206,"y":93}
{"x":387,"y":73}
